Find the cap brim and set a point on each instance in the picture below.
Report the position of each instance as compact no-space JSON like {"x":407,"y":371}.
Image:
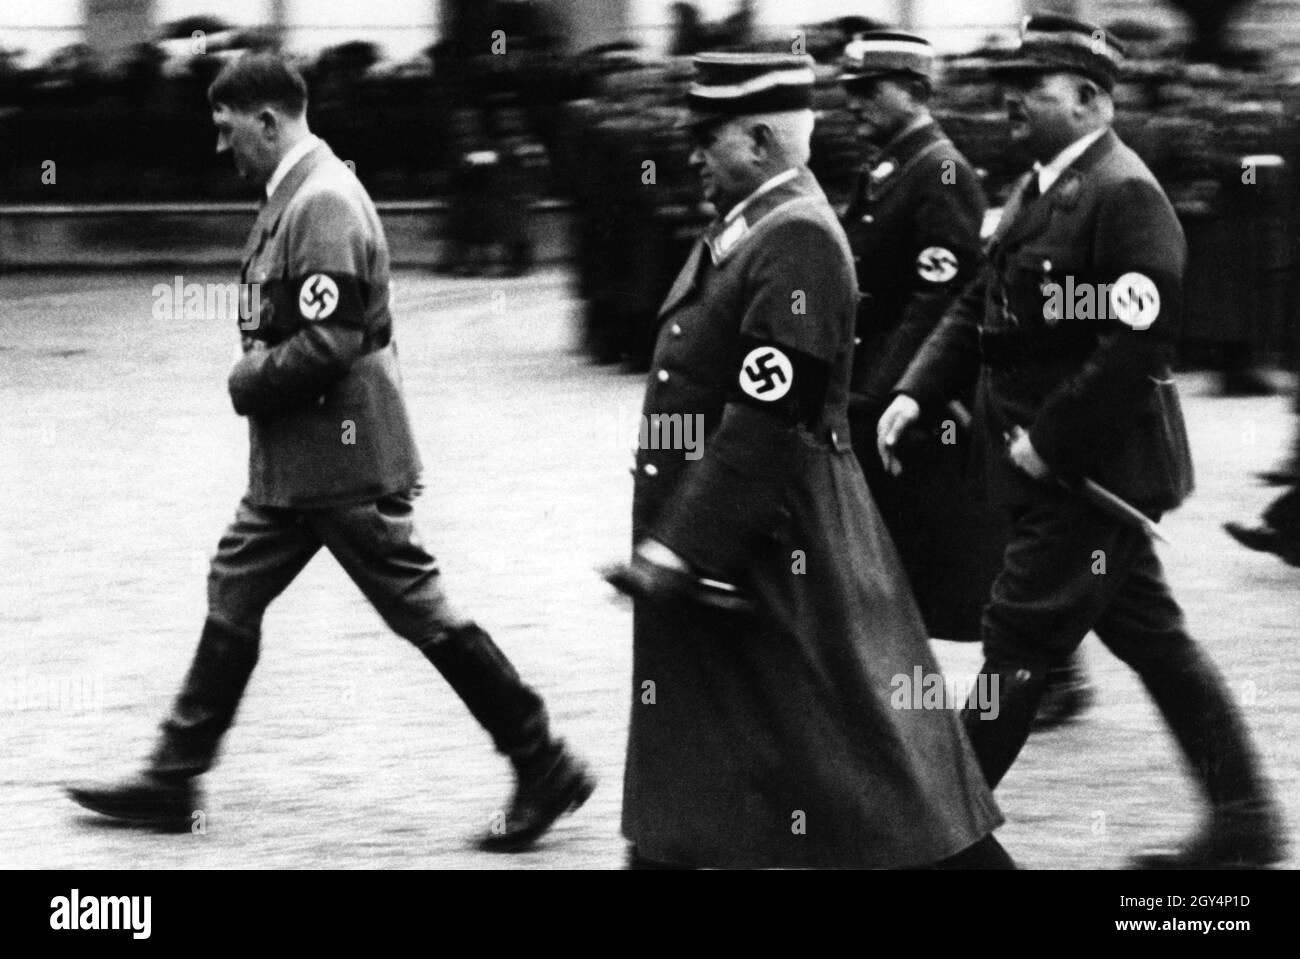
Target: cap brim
{"x":1020,"y":66}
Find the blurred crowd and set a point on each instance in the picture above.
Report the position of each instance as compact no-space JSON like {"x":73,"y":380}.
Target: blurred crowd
{"x":492,"y":132}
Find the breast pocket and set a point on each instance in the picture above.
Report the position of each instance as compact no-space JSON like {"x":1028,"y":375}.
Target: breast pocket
{"x":1048,"y":287}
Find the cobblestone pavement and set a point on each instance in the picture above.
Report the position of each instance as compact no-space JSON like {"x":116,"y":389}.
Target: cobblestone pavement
{"x":123,"y":462}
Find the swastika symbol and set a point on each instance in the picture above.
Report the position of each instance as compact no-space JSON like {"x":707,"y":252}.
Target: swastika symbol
{"x":766,"y":374}
{"x":317,"y":297}
{"x":1135,"y":300}
{"x":936,"y":264}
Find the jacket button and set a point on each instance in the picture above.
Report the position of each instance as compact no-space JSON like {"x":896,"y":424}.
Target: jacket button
{"x":677,"y":329}
{"x":663,"y":376}
{"x":857,"y":341}
{"x":651,"y":469}
{"x":868,"y":219}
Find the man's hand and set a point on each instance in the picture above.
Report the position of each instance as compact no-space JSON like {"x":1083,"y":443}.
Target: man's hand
{"x":901,"y":414}
{"x":1022,"y":453}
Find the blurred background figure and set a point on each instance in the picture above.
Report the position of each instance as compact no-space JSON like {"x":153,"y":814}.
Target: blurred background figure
{"x":478,"y":115}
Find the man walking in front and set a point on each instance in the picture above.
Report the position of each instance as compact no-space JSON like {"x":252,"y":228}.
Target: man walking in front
{"x":332,"y":463}
{"x":1069,"y":328}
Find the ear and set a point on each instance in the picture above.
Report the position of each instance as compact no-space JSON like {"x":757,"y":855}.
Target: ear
{"x":763,"y":139}
{"x":1088,"y":96}
{"x":268,"y":121}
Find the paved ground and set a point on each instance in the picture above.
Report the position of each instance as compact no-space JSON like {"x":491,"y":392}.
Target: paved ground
{"x":122,"y":463}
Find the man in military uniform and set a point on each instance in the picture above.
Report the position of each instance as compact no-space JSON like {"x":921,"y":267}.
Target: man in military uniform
{"x":913,"y":223}
{"x":332,"y":463}
{"x":769,"y":738}
{"x":1080,"y":388}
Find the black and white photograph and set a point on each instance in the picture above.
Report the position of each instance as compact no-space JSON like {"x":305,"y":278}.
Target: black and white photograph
{"x":627,"y":435}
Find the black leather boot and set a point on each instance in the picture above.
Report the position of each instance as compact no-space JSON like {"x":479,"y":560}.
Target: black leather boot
{"x":1244,"y":827}
{"x":164,"y":794}
{"x":997,"y":735}
{"x":1068,"y":696}
{"x":549,"y":780}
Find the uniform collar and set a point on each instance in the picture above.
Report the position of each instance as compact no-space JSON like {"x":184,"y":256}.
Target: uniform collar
{"x":1050,"y":173}
{"x":296,"y":153}
{"x":725,"y":234}
{"x":768,"y":186}
{"x":906,"y":141}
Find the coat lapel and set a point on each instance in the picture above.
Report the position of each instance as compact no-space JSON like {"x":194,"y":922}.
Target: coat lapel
{"x":719,"y":239}
{"x":901,"y":155}
{"x":268,"y":219}
{"x":1019,"y":225}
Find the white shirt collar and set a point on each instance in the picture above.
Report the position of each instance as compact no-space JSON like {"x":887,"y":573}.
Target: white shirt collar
{"x":1049,"y":174}
{"x":296,"y":153}
{"x":767,"y":187}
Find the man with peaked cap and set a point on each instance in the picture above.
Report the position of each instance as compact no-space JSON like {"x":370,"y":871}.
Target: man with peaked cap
{"x":913,"y":223}
{"x":332,"y":463}
{"x":1079,"y":390}
{"x":771,"y":618}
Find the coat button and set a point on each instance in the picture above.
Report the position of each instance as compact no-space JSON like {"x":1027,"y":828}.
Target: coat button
{"x":663,"y":376}
{"x":868,"y":219}
{"x":857,"y":341}
{"x":651,"y":469}
{"x":677,"y":329}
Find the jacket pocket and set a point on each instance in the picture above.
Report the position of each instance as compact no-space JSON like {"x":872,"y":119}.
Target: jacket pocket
{"x":1152,"y":468}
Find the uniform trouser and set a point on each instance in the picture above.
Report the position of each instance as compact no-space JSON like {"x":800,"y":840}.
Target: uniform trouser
{"x":262,"y":552}
{"x":1283,"y":514}
{"x":1067,"y":570}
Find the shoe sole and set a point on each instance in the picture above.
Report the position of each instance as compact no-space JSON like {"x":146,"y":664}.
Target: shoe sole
{"x":160,"y":820}
{"x":568,"y":800}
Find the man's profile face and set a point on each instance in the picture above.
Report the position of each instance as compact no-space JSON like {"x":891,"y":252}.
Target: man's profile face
{"x":882,"y":107}
{"x":1042,"y":111}
{"x":726,"y":159}
{"x":250,"y":139}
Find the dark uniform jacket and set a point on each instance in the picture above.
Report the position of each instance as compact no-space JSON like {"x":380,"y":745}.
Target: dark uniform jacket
{"x":326,"y":416}
{"x":914,"y":226}
{"x":772,"y":741}
{"x":1085,"y":368}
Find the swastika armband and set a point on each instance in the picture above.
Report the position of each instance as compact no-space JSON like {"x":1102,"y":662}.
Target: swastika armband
{"x":780,"y":379}
{"x":936,"y":264}
{"x":328,"y":298}
{"x":1135,"y":300}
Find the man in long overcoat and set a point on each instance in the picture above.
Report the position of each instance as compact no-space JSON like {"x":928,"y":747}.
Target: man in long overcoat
{"x":778,"y":716}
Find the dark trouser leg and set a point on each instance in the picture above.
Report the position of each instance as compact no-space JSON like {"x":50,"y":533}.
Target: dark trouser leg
{"x":1283,"y":514}
{"x":1061,"y":567}
{"x":638,"y":863}
{"x":1144,"y":627}
{"x":998,"y":738}
{"x":985,"y":854}
{"x":376,"y":543}
{"x":259,"y":555}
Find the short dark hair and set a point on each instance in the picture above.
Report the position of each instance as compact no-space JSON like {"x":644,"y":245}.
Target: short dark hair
{"x":260,"y":79}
